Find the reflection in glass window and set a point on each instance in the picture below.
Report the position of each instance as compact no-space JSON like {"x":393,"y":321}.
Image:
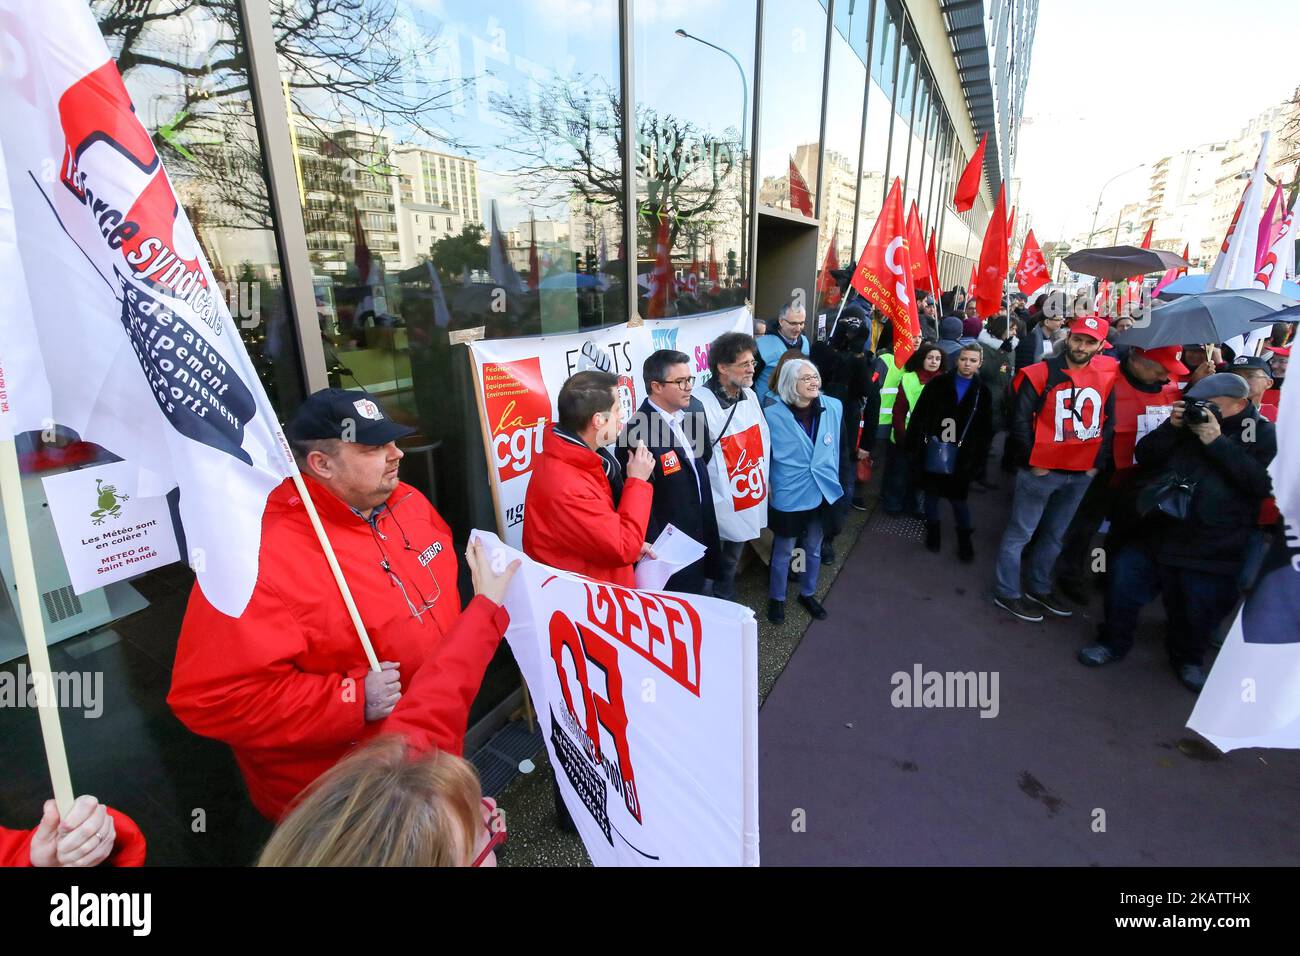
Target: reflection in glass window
{"x":185,"y":68}
{"x":875,"y":148}
{"x":794,"y":47}
{"x":460,"y":175}
{"x":693,"y":168}
{"x":848,"y":77}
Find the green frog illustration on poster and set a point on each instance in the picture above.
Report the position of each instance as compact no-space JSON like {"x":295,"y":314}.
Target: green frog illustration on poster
{"x":109,"y":502}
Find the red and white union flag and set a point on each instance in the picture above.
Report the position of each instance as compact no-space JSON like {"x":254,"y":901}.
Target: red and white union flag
{"x":115,"y":326}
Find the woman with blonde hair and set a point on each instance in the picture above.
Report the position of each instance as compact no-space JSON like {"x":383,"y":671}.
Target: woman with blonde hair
{"x":384,"y":806}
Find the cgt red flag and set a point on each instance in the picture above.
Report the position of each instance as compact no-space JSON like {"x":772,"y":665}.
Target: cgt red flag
{"x":883,"y":274}
{"x":968,"y":187}
{"x":800,"y":194}
{"x":1031,"y":273}
{"x":993,"y":261}
{"x":916,"y":245}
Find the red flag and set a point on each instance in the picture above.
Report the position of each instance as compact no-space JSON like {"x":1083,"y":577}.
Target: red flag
{"x":1171,"y":274}
{"x":1102,"y":304}
{"x":933,"y":256}
{"x":883,"y":274}
{"x":1011,"y":228}
{"x":1146,"y":240}
{"x":800,"y":194}
{"x":1031,"y":273}
{"x":968,"y":187}
{"x":713,"y":267}
{"x":828,"y":290}
{"x":993,"y":261}
{"x":970,"y":288}
{"x":916,"y":243}
{"x":661,"y":278}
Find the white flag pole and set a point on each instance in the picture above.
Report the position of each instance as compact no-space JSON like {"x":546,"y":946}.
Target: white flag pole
{"x":33,"y":626}
{"x":324,"y":540}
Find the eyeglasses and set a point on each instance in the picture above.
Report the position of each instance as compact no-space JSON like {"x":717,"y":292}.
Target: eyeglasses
{"x":750,"y":364}
{"x":426,"y":603}
{"x":805,"y":379}
{"x":685,"y":384}
{"x":495,"y":822}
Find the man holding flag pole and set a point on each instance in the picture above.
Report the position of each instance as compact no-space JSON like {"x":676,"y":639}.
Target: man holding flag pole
{"x":275,"y":643}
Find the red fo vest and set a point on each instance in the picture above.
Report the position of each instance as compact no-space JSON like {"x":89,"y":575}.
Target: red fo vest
{"x":1129,"y":404}
{"x":1067,"y":428}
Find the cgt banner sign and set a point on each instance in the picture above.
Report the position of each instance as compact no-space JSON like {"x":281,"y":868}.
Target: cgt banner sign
{"x":648,"y":703}
{"x":518,"y":381}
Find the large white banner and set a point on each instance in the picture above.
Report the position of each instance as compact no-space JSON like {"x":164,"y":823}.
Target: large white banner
{"x":1252,"y":695}
{"x":648,"y":702}
{"x":113,"y":323}
{"x":518,"y":382}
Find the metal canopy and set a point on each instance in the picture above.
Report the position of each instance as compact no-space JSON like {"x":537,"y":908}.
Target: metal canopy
{"x":970,"y":46}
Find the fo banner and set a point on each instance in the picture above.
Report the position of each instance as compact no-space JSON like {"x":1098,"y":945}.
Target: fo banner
{"x":648,"y":703}
{"x":518,"y":382}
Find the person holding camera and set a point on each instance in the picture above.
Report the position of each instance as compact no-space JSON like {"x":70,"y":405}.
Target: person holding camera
{"x":1204,"y":475}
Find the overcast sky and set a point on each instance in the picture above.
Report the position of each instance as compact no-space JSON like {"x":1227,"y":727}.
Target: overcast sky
{"x":1116,"y":83}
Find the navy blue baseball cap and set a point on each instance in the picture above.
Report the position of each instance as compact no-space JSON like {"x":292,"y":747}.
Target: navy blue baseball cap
{"x":339,"y":413}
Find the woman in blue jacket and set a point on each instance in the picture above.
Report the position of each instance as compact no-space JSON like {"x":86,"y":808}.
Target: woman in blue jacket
{"x":805,"y":476}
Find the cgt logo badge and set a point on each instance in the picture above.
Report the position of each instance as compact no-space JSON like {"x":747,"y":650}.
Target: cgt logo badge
{"x":744,"y":457}
{"x":518,"y":410}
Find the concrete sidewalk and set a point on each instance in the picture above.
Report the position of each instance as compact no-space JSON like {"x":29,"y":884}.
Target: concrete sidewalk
{"x":848,"y":778}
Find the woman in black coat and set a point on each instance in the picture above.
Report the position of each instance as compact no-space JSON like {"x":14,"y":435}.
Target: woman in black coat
{"x":958,"y":407}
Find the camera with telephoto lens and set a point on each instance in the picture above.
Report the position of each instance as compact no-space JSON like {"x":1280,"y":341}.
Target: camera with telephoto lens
{"x":1197,"y":411}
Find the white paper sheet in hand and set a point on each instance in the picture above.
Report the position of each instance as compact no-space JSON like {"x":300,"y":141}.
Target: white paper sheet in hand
{"x":674,"y":549}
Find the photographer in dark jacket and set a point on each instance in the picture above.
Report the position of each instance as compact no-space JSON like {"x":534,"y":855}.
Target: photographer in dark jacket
{"x":1204,"y":476}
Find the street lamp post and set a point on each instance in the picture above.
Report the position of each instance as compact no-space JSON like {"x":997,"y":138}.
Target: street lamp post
{"x":1097,"y":210}
{"x":744,"y":118}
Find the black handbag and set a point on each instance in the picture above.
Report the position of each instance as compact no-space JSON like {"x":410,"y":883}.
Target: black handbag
{"x":941,"y":456}
{"x":1171,"y":495}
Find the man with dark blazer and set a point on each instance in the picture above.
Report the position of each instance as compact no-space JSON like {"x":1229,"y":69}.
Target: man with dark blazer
{"x":671,"y":424}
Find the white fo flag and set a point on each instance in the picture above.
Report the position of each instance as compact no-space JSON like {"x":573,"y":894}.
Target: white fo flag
{"x":1252,"y":695}
{"x":114,"y":325}
{"x":1235,"y":267}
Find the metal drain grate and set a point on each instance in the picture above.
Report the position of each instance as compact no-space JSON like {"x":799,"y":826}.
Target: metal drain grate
{"x":498,"y":760}
{"x":902,"y":526}
{"x":61,"y":603}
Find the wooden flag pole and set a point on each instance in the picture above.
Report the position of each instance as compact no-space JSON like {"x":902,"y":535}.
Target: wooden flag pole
{"x":33,"y":626}
{"x":334,"y":567}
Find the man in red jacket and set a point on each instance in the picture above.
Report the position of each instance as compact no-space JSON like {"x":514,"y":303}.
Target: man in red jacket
{"x":580,"y":513}
{"x":1062,"y":427}
{"x":287,"y":683}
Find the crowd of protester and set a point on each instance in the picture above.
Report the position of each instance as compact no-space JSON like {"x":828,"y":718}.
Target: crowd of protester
{"x":1136,"y":472}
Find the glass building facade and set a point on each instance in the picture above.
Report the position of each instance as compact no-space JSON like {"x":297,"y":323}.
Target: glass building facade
{"x":364,"y":175}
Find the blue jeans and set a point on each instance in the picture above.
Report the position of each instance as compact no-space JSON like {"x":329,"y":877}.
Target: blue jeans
{"x":960,"y":510}
{"x":1195,"y":602}
{"x":1043,"y":504}
{"x":729,"y":559}
{"x":782,"y":549}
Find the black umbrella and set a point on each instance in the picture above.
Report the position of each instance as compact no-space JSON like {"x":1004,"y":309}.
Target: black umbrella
{"x":1208,"y":318}
{"x":1120,"y":262}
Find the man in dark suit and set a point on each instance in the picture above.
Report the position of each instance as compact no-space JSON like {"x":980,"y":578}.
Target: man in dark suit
{"x":671,"y":424}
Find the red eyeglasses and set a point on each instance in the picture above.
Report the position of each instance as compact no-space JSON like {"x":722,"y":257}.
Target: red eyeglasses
{"x":495,"y":822}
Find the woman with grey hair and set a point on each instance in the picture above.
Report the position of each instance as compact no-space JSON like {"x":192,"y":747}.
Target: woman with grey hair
{"x":805,"y":476}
